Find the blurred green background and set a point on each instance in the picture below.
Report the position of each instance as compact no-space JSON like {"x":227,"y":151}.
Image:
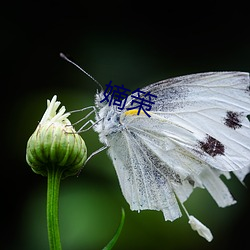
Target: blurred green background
{"x":132,"y":44}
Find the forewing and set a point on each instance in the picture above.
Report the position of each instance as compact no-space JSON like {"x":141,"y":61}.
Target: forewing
{"x":213,"y":107}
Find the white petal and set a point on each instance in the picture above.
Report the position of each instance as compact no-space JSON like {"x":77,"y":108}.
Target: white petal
{"x":51,"y":114}
{"x":200,"y":228}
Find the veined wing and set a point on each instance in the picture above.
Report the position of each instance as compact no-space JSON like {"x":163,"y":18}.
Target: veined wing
{"x":141,"y":184}
{"x":153,"y":170}
{"x":210,"y":106}
{"x":198,"y":130}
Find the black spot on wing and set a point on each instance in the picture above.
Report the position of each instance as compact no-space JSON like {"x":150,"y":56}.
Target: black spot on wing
{"x":233,"y":119}
{"x":212,"y":146}
{"x":248,"y":89}
{"x":191,"y":181}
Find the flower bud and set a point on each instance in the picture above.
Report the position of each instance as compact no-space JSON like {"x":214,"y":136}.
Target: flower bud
{"x":55,"y":144}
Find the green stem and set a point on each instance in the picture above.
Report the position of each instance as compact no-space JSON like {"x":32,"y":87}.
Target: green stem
{"x":54,"y":177}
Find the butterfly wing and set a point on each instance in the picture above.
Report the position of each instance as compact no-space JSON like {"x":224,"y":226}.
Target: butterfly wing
{"x":197,"y":131}
{"x":140,"y":182}
{"x":212,"y":106}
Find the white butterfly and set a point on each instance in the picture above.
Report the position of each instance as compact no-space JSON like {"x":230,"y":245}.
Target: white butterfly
{"x":198,"y":130}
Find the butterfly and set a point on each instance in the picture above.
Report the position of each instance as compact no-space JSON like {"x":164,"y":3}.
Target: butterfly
{"x":198,"y":130}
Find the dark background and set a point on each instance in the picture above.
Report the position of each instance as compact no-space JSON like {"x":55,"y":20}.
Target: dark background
{"x":130,"y":43}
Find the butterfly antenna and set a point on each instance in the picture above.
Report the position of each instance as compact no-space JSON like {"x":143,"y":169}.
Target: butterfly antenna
{"x":68,"y":60}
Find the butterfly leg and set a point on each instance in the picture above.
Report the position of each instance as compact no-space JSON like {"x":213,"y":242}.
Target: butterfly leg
{"x":91,"y":155}
{"x":96,"y":152}
{"x":86,"y":116}
{"x":81,"y":129}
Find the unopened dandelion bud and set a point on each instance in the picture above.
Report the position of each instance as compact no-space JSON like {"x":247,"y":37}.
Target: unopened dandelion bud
{"x":55,"y":143}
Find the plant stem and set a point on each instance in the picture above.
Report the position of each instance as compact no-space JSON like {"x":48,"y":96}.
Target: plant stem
{"x":54,"y":177}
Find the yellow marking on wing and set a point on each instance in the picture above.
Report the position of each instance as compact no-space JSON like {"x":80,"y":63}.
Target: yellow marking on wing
{"x":132,"y":112}
{"x":135,"y":111}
